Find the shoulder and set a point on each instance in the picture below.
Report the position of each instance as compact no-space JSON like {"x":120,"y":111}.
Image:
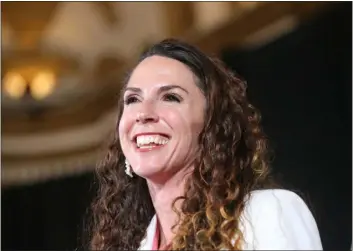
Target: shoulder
{"x":278,"y":219}
{"x":274,"y":199}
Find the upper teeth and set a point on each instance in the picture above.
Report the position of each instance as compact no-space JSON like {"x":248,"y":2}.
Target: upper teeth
{"x":148,"y":139}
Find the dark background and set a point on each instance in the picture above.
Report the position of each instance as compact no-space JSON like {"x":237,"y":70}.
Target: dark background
{"x":302,"y":85}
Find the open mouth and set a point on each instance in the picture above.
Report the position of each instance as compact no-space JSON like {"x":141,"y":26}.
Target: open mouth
{"x":151,"y":141}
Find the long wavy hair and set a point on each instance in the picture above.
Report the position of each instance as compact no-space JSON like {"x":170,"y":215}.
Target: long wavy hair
{"x":233,"y":161}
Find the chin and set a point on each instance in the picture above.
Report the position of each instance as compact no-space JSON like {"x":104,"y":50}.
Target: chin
{"x":148,"y":171}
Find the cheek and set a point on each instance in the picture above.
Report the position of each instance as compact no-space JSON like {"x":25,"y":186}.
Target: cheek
{"x":185,"y":121}
{"x":121,"y":129}
{"x":124,"y":126}
{"x":196,"y":119}
{"x":176,"y":118}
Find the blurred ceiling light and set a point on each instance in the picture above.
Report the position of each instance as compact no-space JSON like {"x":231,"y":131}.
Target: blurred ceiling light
{"x":42,"y":85}
{"x":14,"y":85}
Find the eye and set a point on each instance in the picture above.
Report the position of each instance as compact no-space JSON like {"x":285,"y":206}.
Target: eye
{"x":172,"y":97}
{"x":131,"y":99}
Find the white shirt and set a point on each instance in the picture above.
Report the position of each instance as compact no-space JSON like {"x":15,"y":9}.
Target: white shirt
{"x":273,"y":219}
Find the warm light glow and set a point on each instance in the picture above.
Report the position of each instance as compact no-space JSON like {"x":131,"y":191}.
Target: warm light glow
{"x":248,"y":5}
{"x":42,"y":85}
{"x":14,"y":85}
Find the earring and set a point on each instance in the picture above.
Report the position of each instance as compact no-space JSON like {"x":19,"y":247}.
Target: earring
{"x":128,"y":168}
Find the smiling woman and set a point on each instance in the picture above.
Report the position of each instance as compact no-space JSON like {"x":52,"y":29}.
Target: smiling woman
{"x":188,"y":168}
{"x":163,"y":103}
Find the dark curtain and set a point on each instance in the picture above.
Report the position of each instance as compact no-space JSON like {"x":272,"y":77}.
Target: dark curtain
{"x":46,"y":216}
{"x":302,"y":85}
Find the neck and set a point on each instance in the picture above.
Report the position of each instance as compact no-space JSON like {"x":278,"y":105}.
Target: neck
{"x":163,"y":195}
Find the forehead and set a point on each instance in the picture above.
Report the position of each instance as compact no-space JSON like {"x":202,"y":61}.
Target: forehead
{"x":157,"y":70}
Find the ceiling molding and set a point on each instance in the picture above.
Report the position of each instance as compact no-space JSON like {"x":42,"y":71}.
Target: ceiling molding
{"x":271,"y":32}
{"x":28,"y":20}
{"x":30,"y":62}
{"x":107,"y":65}
{"x":107,"y":11}
{"x":16,"y":158}
{"x":179,"y":17}
{"x":77,"y":113}
{"x":32,"y":172}
{"x":233,"y":33}
{"x":71,"y":139}
{"x":211,"y":15}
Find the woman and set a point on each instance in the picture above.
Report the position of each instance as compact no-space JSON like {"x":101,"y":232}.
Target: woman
{"x":189,"y":167}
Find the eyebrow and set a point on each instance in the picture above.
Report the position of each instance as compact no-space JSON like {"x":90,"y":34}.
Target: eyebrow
{"x":132,"y":89}
{"x":161,"y":89}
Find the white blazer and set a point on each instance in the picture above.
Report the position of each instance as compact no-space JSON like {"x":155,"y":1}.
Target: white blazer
{"x":273,"y":219}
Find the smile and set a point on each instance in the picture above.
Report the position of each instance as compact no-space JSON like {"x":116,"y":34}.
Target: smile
{"x":150,"y":141}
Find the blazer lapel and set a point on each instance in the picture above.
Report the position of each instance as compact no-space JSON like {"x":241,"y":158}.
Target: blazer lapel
{"x":147,"y":242}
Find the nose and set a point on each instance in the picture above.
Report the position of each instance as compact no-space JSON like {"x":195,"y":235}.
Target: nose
{"x":146,"y":117}
{"x":147,"y":112}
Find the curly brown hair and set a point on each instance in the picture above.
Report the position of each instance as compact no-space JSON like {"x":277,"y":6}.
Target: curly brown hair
{"x":233,"y":161}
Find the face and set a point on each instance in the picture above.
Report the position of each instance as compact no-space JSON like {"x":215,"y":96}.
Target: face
{"x":162,"y":118}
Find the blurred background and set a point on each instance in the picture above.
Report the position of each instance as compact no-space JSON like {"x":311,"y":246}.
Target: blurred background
{"x":61,"y":68}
